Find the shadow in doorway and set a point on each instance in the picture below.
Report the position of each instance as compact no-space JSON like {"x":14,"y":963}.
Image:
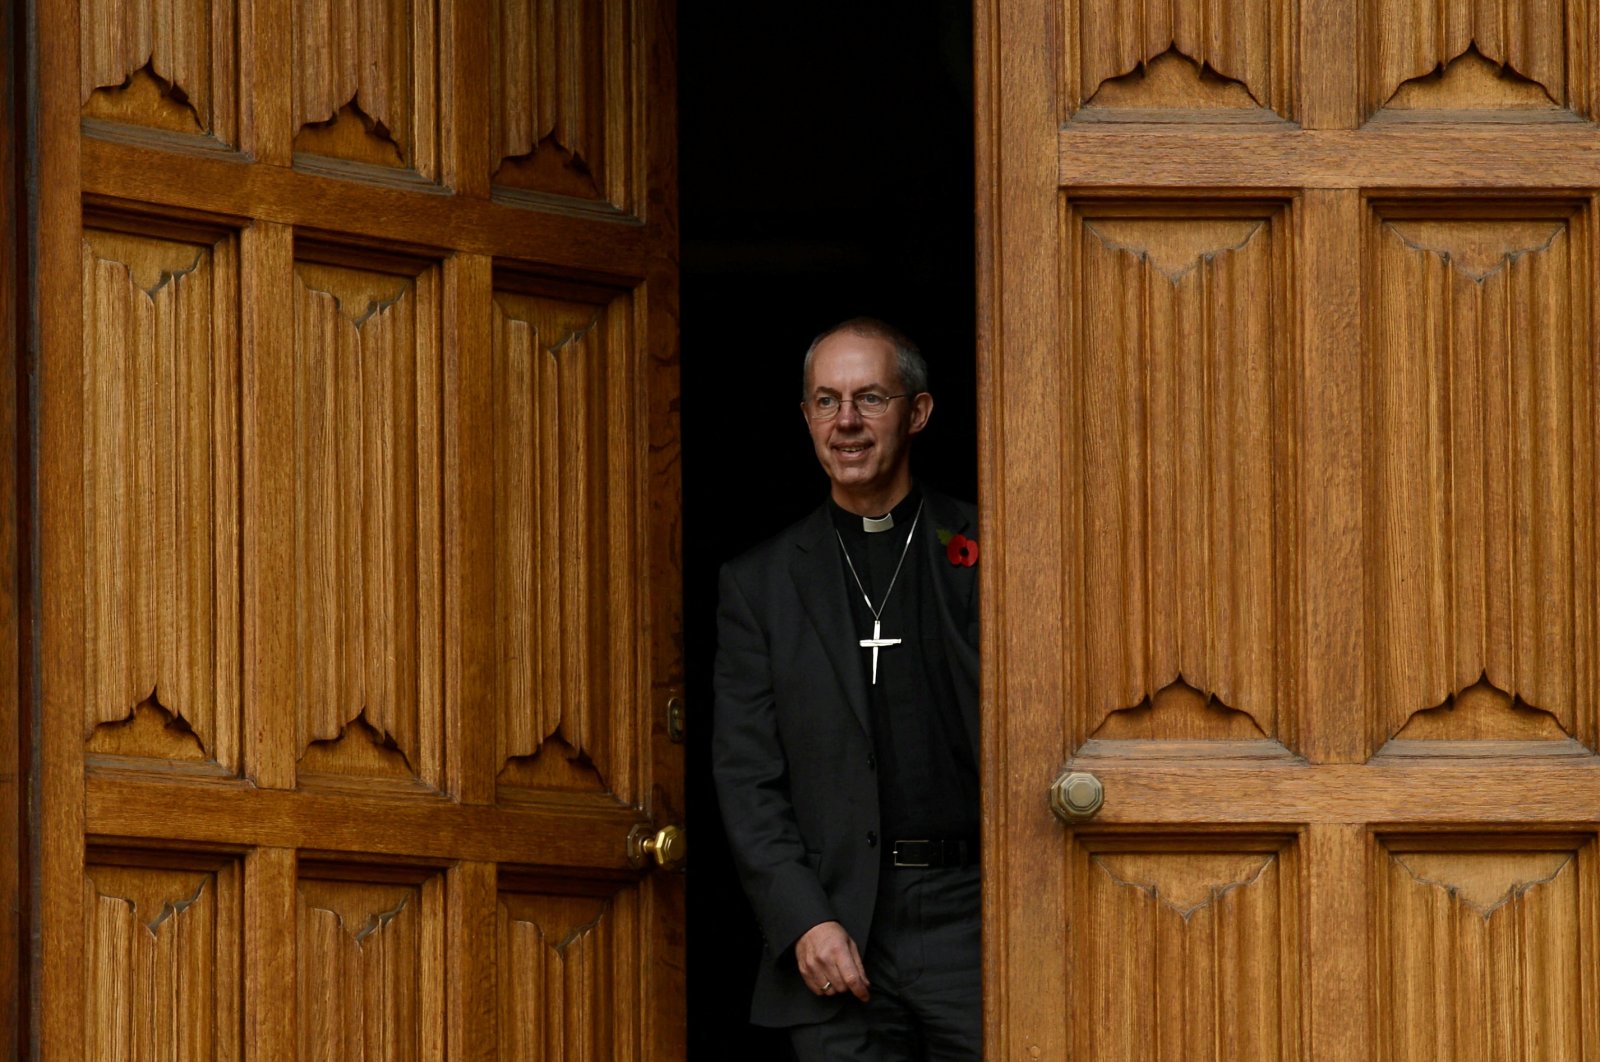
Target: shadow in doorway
{"x":825,"y":171}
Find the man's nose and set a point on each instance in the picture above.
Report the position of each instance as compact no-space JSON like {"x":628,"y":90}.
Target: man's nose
{"x":848,"y":413}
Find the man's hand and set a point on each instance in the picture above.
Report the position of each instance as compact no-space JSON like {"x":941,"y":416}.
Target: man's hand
{"x":830,"y":963}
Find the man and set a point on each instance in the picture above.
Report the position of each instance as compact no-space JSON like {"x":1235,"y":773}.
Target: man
{"x":845,"y":744}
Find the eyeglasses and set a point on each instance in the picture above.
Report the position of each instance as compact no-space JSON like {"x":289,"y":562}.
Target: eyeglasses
{"x":868,"y":404}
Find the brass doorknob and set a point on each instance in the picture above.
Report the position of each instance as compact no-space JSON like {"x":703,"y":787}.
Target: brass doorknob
{"x":668,"y":846}
{"x":1076,"y":795}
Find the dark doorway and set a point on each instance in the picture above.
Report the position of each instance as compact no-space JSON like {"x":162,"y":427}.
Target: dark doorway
{"x":826,"y":171}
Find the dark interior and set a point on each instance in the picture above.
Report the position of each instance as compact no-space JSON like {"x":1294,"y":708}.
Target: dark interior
{"x":825,"y":171}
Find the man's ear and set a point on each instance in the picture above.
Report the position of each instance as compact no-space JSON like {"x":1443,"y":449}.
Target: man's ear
{"x":921,"y":410}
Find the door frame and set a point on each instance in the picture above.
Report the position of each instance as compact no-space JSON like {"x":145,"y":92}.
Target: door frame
{"x":16,"y":856}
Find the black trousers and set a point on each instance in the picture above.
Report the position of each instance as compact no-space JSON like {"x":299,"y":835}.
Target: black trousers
{"x":925,"y":963}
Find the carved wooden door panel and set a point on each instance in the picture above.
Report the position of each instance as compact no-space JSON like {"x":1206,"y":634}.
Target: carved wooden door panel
{"x":1291,"y":450}
{"x":358,"y":528}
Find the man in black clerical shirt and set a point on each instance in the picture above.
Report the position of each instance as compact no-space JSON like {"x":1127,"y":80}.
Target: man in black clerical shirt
{"x":845,"y":743}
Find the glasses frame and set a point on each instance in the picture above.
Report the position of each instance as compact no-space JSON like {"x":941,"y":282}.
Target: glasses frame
{"x":805,"y":404}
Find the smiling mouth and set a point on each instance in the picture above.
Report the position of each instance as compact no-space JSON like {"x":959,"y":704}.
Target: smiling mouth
{"x":853,"y":448}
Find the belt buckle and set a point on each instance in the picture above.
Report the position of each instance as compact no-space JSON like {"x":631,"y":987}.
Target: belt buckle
{"x":907,"y":861}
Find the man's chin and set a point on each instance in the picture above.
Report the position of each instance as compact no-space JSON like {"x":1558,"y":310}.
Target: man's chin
{"x":854,"y":476}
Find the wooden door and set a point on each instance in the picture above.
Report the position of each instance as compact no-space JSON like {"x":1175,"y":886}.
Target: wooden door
{"x":1290,"y":468}
{"x":13,"y":861}
{"x":357,"y":528}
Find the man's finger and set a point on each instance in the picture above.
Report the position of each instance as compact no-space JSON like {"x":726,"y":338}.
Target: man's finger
{"x":855,"y":974}
{"x":822,"y":953}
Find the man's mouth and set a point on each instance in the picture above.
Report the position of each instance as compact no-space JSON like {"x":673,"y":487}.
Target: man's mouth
{"x":852,"y":448}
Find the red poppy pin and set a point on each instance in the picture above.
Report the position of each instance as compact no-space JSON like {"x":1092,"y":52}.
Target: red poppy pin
{"x":959,"y":549}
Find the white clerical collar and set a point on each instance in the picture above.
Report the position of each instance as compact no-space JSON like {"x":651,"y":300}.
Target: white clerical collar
{"x":873,"y":524}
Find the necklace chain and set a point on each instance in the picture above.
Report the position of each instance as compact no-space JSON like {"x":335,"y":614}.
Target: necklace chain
{"x":877,"y":612}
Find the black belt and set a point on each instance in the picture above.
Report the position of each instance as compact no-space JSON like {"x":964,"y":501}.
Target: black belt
{"x":933,"y":852}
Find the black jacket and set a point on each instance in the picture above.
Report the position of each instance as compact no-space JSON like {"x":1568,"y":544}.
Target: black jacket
{"x":792,"y":741}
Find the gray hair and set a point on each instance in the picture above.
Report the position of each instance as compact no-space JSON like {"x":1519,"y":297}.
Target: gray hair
{"x":908,"y":358}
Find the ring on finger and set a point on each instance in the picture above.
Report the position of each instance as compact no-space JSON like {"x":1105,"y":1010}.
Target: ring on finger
{"x":827,"y":986}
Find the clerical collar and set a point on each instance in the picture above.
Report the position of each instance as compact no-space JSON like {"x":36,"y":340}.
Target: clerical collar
{"x":899,"y":516}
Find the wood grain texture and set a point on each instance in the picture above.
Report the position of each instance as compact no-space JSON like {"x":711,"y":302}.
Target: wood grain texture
{"x":367,"y":511}
{"x":658,"y":521}
{"x":470,"y":663}
{"x":1483,"y":480}
{"x":267,"y":102}
{"x":15,"y":608}
{"x":1172,"y":87}
{"x":270,"y":1021}
{"x":58,"y":681}
{"x":365,"y":84}
{"x":1332,"y":672}
{"x":1477,"y":156}
{"x":364,"y":494}
{"x":164,"y":63}
{"x":560,"y":520}
{"x":375,"y":213}
{"x":1023,"y":332}
{"x":161,"y":499}
{"x":1471,"y":86}
{"x":1338,"y":858}
{"x":1185,"y":421}
{"x":1328,"y":88}
{"x":1482,"y":766}
{"x":1247,"y":43}
{"x":471,"y":957}
{"x":268,"y":355}
{"x":464,"y":31}
{"x":163,"y":979}
{"x":1480,"y":713}
{"x":1546,"y":42}
{"x":589,"y":831}
{"x":1481,"y":952}
{"x":561,"y":978}
{"x":370,"y":971}
{"x":1186,"y":954}
{"x":557,"y":70}
{"x":1501,"y":787}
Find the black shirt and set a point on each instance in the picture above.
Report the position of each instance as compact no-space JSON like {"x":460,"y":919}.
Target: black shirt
{"x":927,"y":777}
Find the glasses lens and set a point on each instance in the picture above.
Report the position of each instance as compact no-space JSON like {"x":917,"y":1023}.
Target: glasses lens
{"x":869,"y":404}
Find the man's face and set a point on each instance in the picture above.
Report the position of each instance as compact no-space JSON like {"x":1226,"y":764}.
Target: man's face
{"x":863,"y":455}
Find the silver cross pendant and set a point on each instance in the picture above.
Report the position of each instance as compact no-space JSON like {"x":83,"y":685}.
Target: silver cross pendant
{"x":875,"y":643}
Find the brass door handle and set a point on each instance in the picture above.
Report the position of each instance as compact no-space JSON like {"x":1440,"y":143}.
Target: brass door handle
{"x":668,"y":846}
{"x":1075,"y":796}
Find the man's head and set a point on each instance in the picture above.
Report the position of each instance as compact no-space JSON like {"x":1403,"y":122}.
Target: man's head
{"x":849,"y":369}
{"x":908,"y":359}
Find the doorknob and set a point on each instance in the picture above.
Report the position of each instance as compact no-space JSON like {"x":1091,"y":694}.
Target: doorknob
{"x":675,"y":720}
{"x":1075,"y":796}
{"x":668,"y":846}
